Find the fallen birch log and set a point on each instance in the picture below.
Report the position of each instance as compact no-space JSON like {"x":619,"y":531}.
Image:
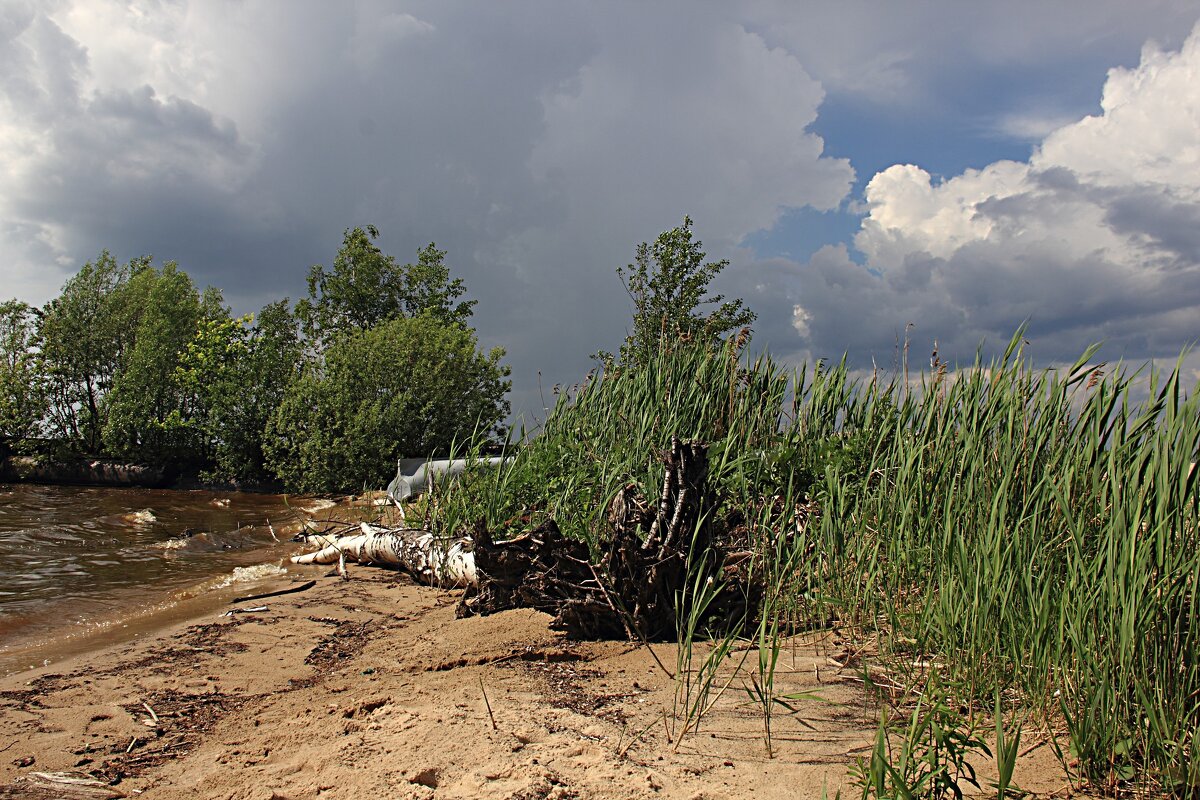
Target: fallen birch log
{"x":430,"y":560}
{"x":635,"y":589}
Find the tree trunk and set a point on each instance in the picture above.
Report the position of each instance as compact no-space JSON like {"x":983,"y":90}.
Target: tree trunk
{"x":437,"y":562}
{"x":632,"y":590}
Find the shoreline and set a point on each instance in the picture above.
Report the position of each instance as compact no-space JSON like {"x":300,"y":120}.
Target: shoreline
{"x":372,"y":687}
{"x":82,"y":470}
{"x":50,"y":630}
{"x":58,"y":644}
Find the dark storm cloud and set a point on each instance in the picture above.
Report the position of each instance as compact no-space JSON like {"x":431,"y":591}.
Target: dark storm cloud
{"x":537,"y":143}
{"x":1166,"y":223}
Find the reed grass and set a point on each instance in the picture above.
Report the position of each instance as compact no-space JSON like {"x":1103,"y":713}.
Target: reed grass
{"x":1031,"y":533}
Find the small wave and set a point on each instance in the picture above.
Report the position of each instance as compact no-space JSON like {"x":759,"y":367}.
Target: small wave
{"x":317,"y":505}
{"x":249,"y":574}
{"x":171,"y":544}
{"x":143,"y":517}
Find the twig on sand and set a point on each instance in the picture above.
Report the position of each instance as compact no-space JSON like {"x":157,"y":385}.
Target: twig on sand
{"x":488,"y":704}
{"x":621,"y":751}
{"x":301,"y":588}
{"x":251,"y":610}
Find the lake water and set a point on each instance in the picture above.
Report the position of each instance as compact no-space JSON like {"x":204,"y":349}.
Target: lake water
{"x":76,"y":560}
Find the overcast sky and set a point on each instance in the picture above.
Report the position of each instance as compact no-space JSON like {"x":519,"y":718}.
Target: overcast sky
{"x":958,"y":166}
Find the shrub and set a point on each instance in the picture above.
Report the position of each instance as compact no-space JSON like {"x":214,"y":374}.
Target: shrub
{"x":408,"y":387}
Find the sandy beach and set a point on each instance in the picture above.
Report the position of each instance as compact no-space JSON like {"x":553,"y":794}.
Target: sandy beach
{"x":372,"y":688}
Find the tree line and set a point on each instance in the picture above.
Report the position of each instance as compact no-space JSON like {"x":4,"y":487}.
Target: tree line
{"x":378,"y":361}
{"x":134,"y":362}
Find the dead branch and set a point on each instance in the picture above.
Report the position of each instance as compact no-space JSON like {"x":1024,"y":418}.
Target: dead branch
{"x":632,"y":591}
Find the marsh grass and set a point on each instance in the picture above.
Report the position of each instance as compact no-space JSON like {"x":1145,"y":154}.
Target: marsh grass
{"x":1030,"y":531}
{"x":931,"y":757}
{"x":700,"y":682}
{"x":998,"y":529}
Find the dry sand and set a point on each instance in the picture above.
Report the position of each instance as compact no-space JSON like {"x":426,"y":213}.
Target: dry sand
{"x":372,"y":689}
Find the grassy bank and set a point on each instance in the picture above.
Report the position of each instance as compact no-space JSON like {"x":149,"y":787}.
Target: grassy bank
{"x":1018,"y":545}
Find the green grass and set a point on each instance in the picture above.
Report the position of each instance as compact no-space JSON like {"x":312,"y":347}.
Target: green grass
{"x":1029,"y":533}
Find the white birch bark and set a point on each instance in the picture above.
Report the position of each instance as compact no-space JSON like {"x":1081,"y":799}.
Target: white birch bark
{"x":433,"y":561}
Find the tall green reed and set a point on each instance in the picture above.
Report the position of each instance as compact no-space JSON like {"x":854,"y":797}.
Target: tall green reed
{"x":1009,"y":529}
{"x":1037,"y":530}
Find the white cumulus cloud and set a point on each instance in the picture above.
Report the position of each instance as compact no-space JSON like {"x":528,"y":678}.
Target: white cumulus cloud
{"x":1096,"y":236}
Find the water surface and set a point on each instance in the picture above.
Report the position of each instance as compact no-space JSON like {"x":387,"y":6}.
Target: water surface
{"x":73,"y":559}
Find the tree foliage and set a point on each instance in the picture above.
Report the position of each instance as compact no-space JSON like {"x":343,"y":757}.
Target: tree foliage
{"x":366,"y":287}
{"x":211,"y":373}
{"x":668,"y":283}
{"x":22,"y":388}
{"x":111,"y":344}
{"x":238,"y":373}
{"x":137,"y":363}
{"x":86,"y":333}
{"x":149,"y":417}
{"x":407,"y":387}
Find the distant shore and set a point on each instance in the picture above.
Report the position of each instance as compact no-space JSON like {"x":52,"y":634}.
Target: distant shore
{"x":83,"y":471}
{"x":89,"y":471}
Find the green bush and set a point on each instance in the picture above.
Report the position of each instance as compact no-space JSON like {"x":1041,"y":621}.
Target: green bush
{"x":408,"y":387}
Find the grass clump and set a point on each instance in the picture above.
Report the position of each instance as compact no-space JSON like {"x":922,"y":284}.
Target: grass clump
{"x":609,"y":431}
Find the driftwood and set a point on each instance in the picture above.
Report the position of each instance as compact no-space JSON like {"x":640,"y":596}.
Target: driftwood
{"x":304,"y":587}
{"x":427,"y":558}
{"x":59,"y":786}
{"x":632,"y":590}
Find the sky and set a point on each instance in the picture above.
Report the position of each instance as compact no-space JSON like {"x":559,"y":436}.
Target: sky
{"x":951,"y":169}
